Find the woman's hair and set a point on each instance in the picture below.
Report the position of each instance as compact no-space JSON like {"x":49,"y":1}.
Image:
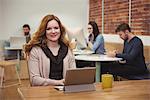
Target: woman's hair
{"x":39,"y":38}
{"x":95,"y":28}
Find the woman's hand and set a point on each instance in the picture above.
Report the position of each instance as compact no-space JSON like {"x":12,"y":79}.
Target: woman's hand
{"x":90,"y":45}
{"x":60,"y":82}
{"x":73,"y":44}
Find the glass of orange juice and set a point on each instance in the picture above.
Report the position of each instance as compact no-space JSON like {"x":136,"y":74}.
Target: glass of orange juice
{"x":107,"y":81}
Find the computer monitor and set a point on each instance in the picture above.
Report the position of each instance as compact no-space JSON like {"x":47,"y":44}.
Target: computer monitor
{"x":17,"y":41}
{"x":78,"y":35}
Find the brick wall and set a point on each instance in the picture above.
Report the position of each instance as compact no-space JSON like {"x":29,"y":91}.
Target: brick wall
{"x":96,"y":12}
{"x":140,"y":21}
{"x":117,"y":11}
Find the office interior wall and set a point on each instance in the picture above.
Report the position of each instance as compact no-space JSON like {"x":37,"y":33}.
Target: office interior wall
{"x":0,"y":16}
{"x":134,"y":12}
{"x":15,"y":13}
{"x":116,"y":12}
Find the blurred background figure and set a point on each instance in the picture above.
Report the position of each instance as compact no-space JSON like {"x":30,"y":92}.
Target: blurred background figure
{"x":26,"y":31}
{"x":133,"y":56}
{"x":95,"y":39}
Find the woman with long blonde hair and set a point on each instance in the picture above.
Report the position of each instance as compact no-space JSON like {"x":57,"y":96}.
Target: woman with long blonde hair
{"x":49,"y":53}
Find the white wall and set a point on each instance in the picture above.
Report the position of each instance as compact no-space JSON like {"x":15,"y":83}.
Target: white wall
{"x":113,"y":38}
{"x":1,"y":16}
{"x":15,"y":13}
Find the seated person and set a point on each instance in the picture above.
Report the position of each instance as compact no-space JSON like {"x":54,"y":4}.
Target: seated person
{"x":49,"y":53}
{"x":26,"y":32}
{"x":132,"y":55}
{"x":95,"y":42}
{"x":95,"y":39}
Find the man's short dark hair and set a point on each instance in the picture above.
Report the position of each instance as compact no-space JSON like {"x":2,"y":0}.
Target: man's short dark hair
{"x":123,"y":27}
{"x":26,"y":25}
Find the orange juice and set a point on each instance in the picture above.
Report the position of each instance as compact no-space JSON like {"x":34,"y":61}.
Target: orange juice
{"x":107,"y":80}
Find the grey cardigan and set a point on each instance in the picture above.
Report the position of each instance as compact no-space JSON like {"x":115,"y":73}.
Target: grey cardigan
{"x":39,"y":67}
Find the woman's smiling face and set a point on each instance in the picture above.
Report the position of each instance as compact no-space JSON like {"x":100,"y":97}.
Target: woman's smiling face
{"x":53,"y":31}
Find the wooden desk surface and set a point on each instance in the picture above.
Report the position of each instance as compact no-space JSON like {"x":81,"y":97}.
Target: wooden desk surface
{"x":123,"y":90}
{"x":7,"y":63}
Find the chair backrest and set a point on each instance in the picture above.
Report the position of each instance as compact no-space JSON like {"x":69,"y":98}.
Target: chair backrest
{"x":26,"y":57}
{"x":28,"y":72}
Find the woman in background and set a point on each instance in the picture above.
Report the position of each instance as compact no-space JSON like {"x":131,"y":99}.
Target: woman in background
{"x":95,"y":39}
{"x":49,"y":53}
{"x":95,"y":42}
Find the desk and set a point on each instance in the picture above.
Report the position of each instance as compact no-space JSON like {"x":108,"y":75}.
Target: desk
{"x":122,"y":90}
{"x":82,"y":52}
{"x":97,"y":58}
{"x":18,"y":49}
